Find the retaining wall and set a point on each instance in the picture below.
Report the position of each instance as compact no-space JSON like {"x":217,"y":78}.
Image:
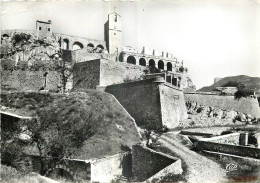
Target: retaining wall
{"x":229,"y":103}
{"x":149,"y":164}
{"x":229,"y":149}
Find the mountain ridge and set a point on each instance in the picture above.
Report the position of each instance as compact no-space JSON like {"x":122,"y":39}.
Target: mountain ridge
{"x":251,"y":83}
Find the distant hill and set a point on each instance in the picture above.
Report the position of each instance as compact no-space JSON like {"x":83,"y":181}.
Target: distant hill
{"x":251,"y":83}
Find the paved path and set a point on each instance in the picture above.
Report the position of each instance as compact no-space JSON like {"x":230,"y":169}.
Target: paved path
{"x":199,"y":168}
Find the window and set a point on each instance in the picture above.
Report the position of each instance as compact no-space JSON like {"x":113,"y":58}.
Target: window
{"x":49,"y":29}
{"x":40,"y":28}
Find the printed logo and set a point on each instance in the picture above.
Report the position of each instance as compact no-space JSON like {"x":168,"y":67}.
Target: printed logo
{"x":231,"y":167}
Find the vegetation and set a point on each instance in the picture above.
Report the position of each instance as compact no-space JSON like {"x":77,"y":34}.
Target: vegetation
{"x":66,"y":126}
{"x":242,"y":91}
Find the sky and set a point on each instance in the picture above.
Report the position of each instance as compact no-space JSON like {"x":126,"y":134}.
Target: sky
{"x":215,"y":38}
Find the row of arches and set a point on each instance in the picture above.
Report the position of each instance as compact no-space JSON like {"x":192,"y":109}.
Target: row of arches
{"x":78,"y":45}
{"x":151,"y":63}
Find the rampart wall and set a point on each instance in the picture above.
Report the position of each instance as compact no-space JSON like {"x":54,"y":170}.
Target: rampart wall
{"x":229,"y":103}
{"x":116,"y":72}
{"x":152,"y":103}
{"x":141,"y":99}
{"x":102,"y":72}
{"x":173,"y":107}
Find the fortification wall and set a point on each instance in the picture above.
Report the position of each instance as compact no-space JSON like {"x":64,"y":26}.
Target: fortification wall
{"x":229,"y":103}
{"x":83,"y":55}
{"x":172,"y":106}
{"x":118,"y":72}
{"x":26,"y":80}
{"x":86,"y":75}
{"x":141,"y":99}
{"x":102,"y":72}
{"x":147,"y":162}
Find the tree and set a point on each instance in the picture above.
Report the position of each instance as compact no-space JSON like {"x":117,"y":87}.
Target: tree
{"x":59,"y":129}
{"x":57,"y":139}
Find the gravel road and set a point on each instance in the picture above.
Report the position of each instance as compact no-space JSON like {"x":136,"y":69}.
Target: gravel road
{"x":199,"y":168}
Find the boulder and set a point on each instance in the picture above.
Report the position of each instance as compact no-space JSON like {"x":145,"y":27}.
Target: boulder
{"x":241,"y":116}
{"x":218,"y":113}
{"x":231,"y":114}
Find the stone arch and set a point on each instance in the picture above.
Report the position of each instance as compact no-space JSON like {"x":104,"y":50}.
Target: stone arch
{"x":131,"y":60}
{"x":65,"y":44}
{"x":161,"y":65}
{"x":142,"y":62}
{"x":169,"y":66}
{"x":99,"y":48}
{"x":77,"y":46}
{"x":151,"y":63}
{"x":90,"y":47}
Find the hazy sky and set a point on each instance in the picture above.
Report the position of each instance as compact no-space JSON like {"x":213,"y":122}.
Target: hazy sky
{"x":215,"y":38}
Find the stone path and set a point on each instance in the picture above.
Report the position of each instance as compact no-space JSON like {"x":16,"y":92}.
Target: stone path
{"x":199,"y":168}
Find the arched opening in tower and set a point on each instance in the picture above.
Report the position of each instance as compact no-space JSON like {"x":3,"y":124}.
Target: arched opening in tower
{"x":65,"y":44}
{"x":77,"y":46}
{"x":90,"y":48}
{"x":142,"y":62}
{"x":131,"y":60}
{"x":151,"y":63}
{"x":99,"y":48}
{"x":169,"y":66}
{"x":160,"y":65}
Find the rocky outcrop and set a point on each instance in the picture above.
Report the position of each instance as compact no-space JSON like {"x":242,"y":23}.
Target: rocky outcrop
{"x":200,"y":115}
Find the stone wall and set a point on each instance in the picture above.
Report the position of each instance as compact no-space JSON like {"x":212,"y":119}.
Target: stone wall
{"x":141,"y":99}
{"x":229,"y":149}
{"x":152,"y":103}
{"x":111,"y":167}
{"x":26,"y":80}
{"x":102,"y":72}
{"x":83,"y":55}
{"x":117,"y":72}
{"x":228,"y":103}
{"x":86,"y":75}
{"x":232,"y":138}
{"x":172,"y":106}
{"x":147,"y":163}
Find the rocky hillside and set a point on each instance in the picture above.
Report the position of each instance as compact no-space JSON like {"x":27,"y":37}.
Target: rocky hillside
{"x":251,"y":83}
{"x":112,"y":127}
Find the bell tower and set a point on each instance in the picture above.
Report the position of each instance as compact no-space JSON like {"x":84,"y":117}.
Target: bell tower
{"x":113,"y":33}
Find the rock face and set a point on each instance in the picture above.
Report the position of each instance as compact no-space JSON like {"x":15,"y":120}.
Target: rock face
{"x":200,"y":115}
